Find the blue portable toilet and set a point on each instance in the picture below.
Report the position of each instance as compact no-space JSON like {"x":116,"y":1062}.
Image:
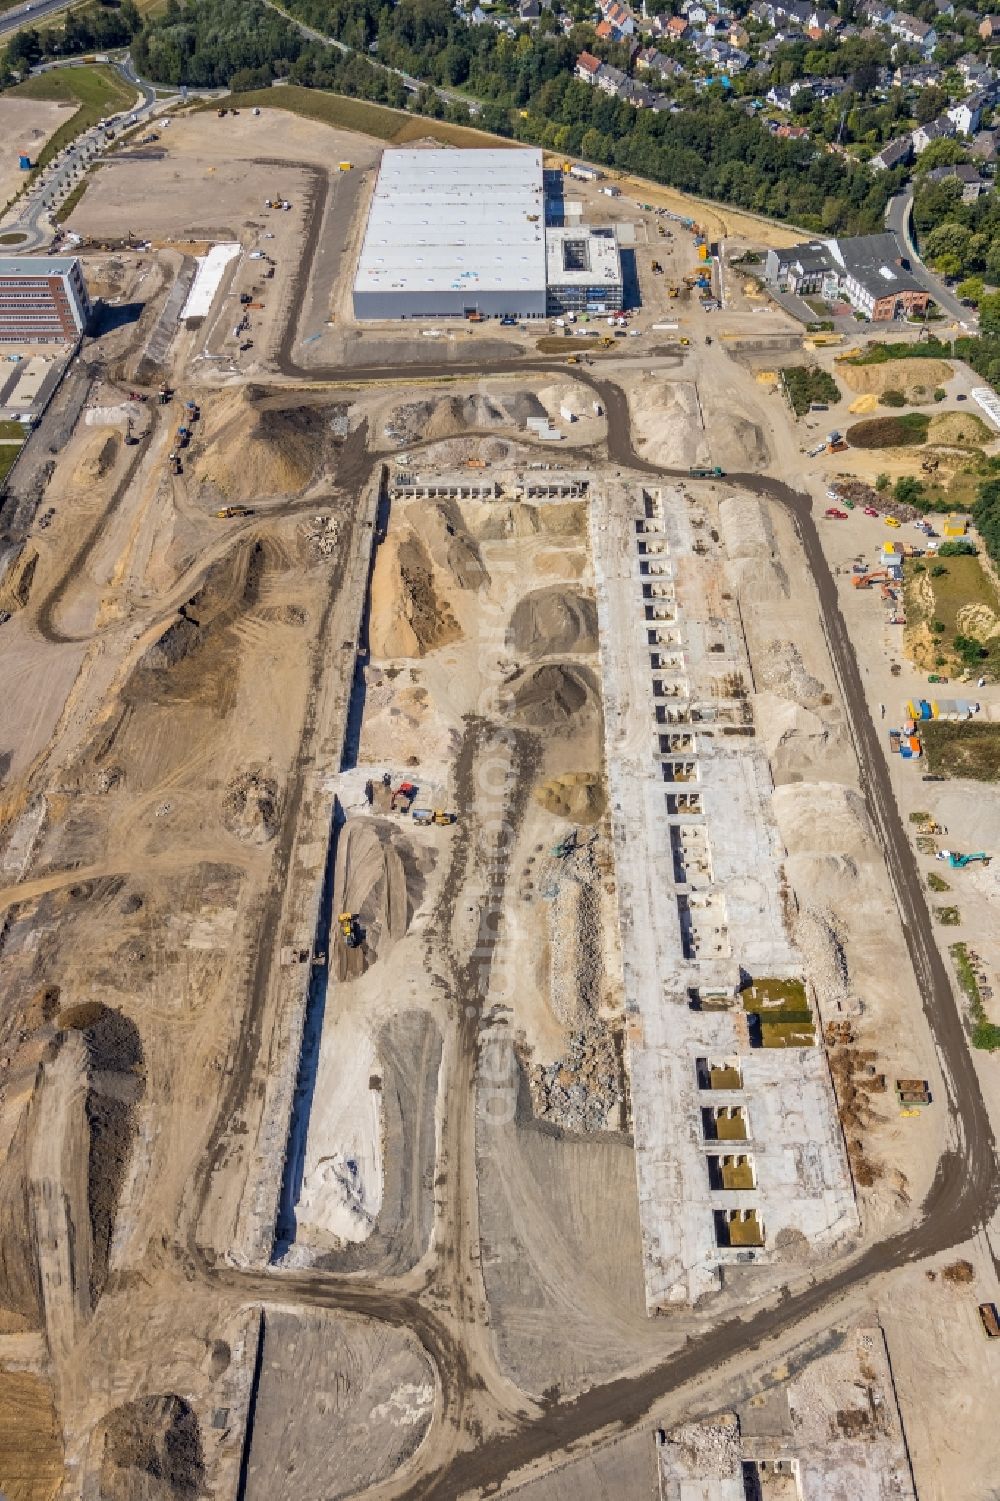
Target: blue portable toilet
{"x":24,"y":162}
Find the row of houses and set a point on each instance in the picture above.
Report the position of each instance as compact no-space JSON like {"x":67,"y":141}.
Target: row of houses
{"x":962,"y":119}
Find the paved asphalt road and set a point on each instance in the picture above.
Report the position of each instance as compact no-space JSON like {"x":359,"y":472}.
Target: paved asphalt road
{"x":25,"y":15}
{"x":897,"y":218}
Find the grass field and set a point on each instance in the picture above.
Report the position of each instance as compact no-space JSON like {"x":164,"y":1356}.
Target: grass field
{"x":97,"y":91}
{"x":8,"y":453}
{"x":357,"y":114}
{"x":963,"y":749}
{"x":962,"y":599}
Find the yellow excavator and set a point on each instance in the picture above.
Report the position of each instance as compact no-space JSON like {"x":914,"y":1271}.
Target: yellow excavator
{"x":350,"y":929}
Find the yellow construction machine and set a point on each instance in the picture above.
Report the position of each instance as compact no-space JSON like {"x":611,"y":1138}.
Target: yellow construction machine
{"x":350,"y":929}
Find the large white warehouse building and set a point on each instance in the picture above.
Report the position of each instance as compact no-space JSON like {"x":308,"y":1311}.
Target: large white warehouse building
{"x":459,"y":233}
{"x":454,"y":232}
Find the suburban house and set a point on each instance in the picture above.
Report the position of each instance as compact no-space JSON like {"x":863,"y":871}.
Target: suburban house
{"x":967,"y":115}
{"x":587,"y":67}
{"x":935,"y":130}
{"x":914,"y":32}
{"x":989,"y":28}
{"x":897,"y":153}
{"x":986,"y":145}
{"x":866,"y":270}
{"x":676,"y":28}
{"x":973,"y":186}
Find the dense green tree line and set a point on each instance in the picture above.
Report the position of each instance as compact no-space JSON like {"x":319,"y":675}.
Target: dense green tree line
{"x":524,"y":82}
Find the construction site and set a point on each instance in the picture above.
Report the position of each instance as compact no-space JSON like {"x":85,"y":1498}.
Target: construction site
{"x":467,"y":972}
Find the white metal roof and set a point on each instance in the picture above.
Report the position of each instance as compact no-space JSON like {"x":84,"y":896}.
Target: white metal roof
{"x":454,"y":220}
{"x":581,"y":256}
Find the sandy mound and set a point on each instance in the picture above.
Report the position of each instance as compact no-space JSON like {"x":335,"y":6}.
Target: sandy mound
{"x":744,"y":524}
{"x":864,"y":405}
{"x":152,"y":1452}
{"x":895,"y":375}
{"x":781,"y":670}
{"x":243,"y":452}
{"x":978,"y":620}
{"x":250,"y":807}
{"x":553,"y":621}
{"x":410,"y":615}
{"x":577,"y":795}
{"x":230,"y":587}
{"x":16,"y":587}
{"x":98,"y":453}
{"x":958,"y":429}
{"x":822,"y":818}
{"x":369,"y":881}
{"x":451,"y":545}
{"x":499,"y":522}
{"x":552,"y":697}
{"x":792,"y":736}
{"x":666,"y":422}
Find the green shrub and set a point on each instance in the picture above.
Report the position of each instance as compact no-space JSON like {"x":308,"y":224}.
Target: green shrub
{"x":959,"y":547}
{"x":939,"y":394}
{"x":893,"y":399}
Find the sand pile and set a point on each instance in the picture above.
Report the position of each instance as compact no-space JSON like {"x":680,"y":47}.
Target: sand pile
{"x":864,"y":405}
{"x":410,"y":614}
{"x":794,"y":737}
{"x":499,"y":522}
{"x":250,"y":806}
{"x":958,"y":429}
{"x":818,"y":937}
{"x":736,"y":440}
{"x":243,"y":452}
{"x":230,"y":587}
{"x":15,"y":590}
{"x":895,"y":375}
{"x":452,"y":546}
{"x":782,"y":671}
{"x":152,"y":1451}
{"x":116,"y":1076}
{"x":553,"y":621}
{"x":822,"y":818}
{"x":576,"y":795}
{"x":99,"y":451}
{"x":552,"y":697}
{"x":745,"y":526}
{"x":369,"y":881}
{"x":666,"y":422}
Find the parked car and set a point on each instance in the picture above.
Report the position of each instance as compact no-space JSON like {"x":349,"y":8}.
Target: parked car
{"x":870,"y":511}
{"x":891,"y":521}
{"x":834,"y":514}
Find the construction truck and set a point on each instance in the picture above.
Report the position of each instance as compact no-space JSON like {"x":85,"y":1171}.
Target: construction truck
{"x":228,"y":512}
{"x":130,"y":438}
{"x":183,"y":437}
{"x":426,"y":816}
{"x":173,"y":459}
{"x":350,"y":929}
{"x":345,"y":166}
{"x":714,"y":473}
{"x":673,"y":291}
{"x":164,"y":394}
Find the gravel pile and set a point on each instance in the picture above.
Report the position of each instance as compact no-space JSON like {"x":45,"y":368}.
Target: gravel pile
{"x":581,"y":1091}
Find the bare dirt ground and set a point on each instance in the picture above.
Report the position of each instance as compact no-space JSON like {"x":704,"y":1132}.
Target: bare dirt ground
{"x":26,"y":125}
{"x":371,"y":1419}
{"x":412,"y":1151}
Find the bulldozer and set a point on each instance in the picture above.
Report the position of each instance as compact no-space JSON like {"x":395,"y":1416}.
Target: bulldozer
{"x":350,"y":929}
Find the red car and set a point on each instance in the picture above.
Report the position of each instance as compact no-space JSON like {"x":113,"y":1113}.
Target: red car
{"x":834,"y":515}
{"x":870,"y":511}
